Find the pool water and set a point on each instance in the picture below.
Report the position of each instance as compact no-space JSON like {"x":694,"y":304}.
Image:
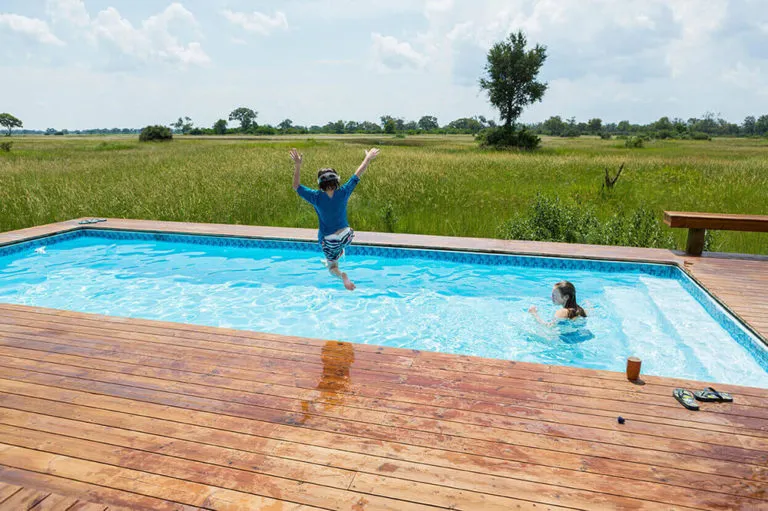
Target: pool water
{"x":428,"y":300}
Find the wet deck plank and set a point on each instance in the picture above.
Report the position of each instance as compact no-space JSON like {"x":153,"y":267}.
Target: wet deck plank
{"x":157,"y":415}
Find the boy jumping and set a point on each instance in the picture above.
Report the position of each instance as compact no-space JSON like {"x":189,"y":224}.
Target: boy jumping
{"x":330,"y":203}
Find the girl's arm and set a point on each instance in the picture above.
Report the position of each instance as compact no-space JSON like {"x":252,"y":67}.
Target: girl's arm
{"x":297,"y":157}
{"x":369,"y":156}
{"x":535,"y":313}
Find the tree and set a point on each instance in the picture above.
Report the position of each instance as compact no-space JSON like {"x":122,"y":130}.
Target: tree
{"x":511,"y":74}
{"x":390,"y":126}
{"x":155,"y":134}
{"x":595,"y":125}
{"x":9,"y":122}
{"x":428,"y":123}
{"x":184,"y":125}
{"x":466,"y":125}
{"x":246,"y":116}
{"x":285,"y":125}
{"x":220,"y":127}
{"x":369,"y":127}
{"x":624,"y":127}
{"x":749,"y":125}
{"x":554,"y":126}
{"x":411,"y":126}
{"x":761,"y":125}
{"x":351,"y":127}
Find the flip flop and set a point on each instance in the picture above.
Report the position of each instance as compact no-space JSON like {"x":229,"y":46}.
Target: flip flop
{"x":685,"y":398}
{"x":710,"y":395}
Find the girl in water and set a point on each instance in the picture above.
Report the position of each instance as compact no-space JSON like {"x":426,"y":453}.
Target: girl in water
{"x":563,"y":293}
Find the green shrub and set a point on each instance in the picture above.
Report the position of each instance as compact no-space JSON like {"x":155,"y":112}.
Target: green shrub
{"x":571,"y":132}
{"x":389,"y":217}
{"x":508,"y":138}
{"x":698,"y":135}
{"x":605,"y":136}
{"x":155,"y":133}
{"x":6,"y":146}
{"x":550,"y":219}
{"x":664,"y":134}
{"x":400,"y":135}
{"x":634,"y":142}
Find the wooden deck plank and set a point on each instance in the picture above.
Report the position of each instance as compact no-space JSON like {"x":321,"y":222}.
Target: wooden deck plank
{"x":381,"y":433}
{"x":512,"y":490}
{"x":352,"y":460}
{"x":56,"y":502}
{"x":576,"y":398}
{"x":135,"y":481}
{"x":88,"y":492}
{"x":356,"y":394}
{"x":295,"y":399}
{"x":342,"y":418}
{"x":130,"y":413}
{"x":24,"y":499}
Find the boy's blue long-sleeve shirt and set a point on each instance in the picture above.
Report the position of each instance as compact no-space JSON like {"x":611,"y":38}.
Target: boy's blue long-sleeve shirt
{"x":331,"y":211}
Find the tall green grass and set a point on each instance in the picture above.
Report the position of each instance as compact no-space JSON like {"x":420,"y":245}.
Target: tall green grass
{"x":431,"y":185}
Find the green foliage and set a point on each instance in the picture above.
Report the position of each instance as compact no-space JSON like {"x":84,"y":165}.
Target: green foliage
{"x":388,"y":217}
{"x":428,"y":123}
{"x":511,"y":76}
{"x":698,"y":135}
{"x":155,"y":134}
{"x":634,"y":142}
{"x":390,"y":126}
{"x":503,"y":137}
{"x":245,"y":116}
{"x":6,"y":146}
{"x":605,"y":136}
{"x":183,"y":126}
{"x":400,"y":135}
{"x":9,"y":122}
{"x":550,"y":219}
{"x":220,"y":127}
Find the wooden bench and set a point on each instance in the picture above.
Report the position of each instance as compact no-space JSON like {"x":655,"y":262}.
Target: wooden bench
{"x":698,"y":223}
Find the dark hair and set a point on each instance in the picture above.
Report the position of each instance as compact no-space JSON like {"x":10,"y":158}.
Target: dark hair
{"x":573,"y":308}
{"x":328,"y":179}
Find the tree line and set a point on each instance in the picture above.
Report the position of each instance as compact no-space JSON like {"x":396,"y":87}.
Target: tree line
{"x":707,"y":126}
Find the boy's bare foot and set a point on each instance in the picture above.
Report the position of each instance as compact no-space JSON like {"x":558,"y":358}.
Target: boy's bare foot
{"x":348,"y":283}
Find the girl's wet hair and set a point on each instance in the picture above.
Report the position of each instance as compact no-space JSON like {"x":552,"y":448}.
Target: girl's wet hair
{"x":328,"y":179}
{"x":573,"y":308}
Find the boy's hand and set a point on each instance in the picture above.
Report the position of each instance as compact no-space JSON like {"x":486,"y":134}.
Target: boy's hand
{"x":372,"y":154}
{"x":533,"y":309}
{"x":296,"y":156}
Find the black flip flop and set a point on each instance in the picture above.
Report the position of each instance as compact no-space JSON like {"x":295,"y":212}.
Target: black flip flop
{"x":685,"y":398}
{"x":710,"y":395}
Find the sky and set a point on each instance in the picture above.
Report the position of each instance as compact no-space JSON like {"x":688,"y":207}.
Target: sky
{"x":80,"y":64}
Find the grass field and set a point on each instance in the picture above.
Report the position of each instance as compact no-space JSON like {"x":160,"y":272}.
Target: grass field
{"x":420,"y":184}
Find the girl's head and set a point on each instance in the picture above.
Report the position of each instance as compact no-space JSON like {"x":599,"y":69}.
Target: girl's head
{"x":328,"y":179}
{"x":564,"y":293}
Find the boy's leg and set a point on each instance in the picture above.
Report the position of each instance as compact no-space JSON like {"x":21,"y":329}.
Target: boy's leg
{"x":333,"y":267}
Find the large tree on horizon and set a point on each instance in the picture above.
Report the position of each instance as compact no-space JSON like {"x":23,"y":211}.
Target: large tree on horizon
{"x":511,"y":76}
{"x":9,"y":122}
{"x":246,"y":116}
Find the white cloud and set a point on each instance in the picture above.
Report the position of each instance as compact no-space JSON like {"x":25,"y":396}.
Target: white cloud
{"x":68,"y":11}
{"x":391,"y":54}
{"x":152,"y":41}
{"x":257,"y":22}
{"x":30,"y":27}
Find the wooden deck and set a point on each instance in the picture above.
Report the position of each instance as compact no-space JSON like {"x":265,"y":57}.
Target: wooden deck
{"x":139,"y":414}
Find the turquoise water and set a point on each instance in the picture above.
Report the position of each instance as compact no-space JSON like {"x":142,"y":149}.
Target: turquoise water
{"x":410,"y":302}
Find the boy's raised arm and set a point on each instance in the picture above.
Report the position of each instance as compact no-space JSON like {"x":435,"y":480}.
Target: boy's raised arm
{"x":297,"y":157}
{"x":369,"y":157}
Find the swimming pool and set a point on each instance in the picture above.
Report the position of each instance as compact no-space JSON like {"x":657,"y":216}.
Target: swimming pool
{"x":456,"y":302}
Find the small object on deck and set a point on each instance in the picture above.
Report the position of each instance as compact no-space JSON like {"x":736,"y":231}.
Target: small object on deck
{"x":685,"y":398}
{"x":92,"y":221}
{"x":621,"y":420}
{"x":710,"y":395}
{"x":633,"y":368}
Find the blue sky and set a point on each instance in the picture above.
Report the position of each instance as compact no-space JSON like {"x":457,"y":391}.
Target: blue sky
{"x":118,"y":63}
